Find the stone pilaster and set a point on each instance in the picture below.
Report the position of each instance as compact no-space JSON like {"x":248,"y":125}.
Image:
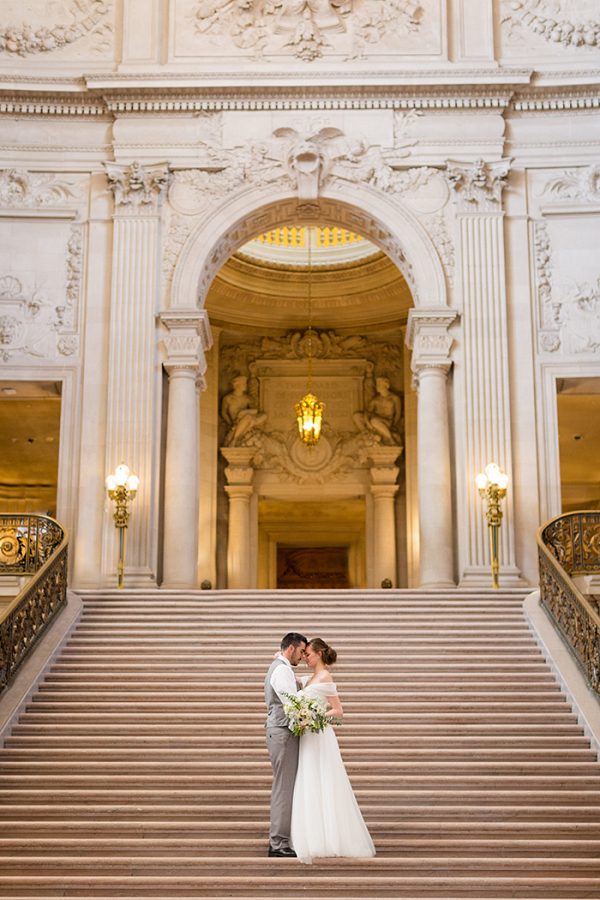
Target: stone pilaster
{"x":239,"y":474}
{"x":427,"y":336}
{"x":132,"y":422}
{"x":188,"y":338}
{"x":478,"y":194}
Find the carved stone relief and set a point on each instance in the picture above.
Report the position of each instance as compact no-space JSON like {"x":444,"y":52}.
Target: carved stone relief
{"x":579,"y":317}
{"x":570,"y":317}
{"x":26,"y":321}
{"x":21,"y":188}
{"x":561,"y":23}
{"x":361,"y":390}
{"x":575,"y":184}
{"x":57,"y":26}
{"x":310,"y":30}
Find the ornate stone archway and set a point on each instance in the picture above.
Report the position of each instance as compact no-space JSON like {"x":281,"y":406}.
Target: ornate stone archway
{"x":224,"y":221}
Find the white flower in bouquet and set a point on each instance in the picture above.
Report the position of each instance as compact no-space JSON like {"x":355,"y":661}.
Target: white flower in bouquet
{"x":306,"y":713}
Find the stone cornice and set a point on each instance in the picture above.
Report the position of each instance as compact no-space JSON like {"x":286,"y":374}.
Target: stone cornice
{"x":440,"y":92}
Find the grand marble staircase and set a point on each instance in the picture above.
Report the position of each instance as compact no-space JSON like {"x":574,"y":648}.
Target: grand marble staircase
{"x":139,"y":768}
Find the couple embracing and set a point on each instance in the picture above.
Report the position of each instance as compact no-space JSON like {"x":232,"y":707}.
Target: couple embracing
{"x":314,"y":812}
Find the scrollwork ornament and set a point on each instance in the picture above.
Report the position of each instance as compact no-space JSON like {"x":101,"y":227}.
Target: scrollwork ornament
{"x":22,"y":188}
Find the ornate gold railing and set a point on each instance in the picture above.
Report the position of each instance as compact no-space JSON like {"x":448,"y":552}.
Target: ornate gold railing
{"x":570,"y":546}
{"x":30,"y":545}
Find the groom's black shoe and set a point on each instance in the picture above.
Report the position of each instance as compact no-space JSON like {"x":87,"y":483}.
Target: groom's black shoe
{"x":282,"y":851}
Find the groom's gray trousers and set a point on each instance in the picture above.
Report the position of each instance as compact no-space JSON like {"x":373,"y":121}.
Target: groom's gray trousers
{"x":283,"y":749}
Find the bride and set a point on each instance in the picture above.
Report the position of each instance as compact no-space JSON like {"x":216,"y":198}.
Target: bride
{"x":326,"y":820}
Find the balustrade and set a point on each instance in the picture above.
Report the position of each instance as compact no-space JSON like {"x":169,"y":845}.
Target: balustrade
{"x":568,"y":546}
{"x":30,"y":545}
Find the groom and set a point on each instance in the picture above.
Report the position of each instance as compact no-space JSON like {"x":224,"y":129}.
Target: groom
{"x":281,"y":743}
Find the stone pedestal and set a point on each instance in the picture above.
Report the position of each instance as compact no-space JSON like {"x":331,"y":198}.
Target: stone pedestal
{"x":239,"y":474}
{"x":383,"y":490}
{"x":427,"y":334}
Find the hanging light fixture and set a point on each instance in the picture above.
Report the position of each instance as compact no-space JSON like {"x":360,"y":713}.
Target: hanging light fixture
{"x":309,"y":412}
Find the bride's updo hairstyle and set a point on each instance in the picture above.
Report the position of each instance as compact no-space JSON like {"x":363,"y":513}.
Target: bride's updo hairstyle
{"x":328,"y":654}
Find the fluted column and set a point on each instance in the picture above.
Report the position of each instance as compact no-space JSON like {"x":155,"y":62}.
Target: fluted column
{"x":384,"y":489}
{"x":132,"y":422}
{"x":478,"y":192}
{"x":187,"y":339}
{"x":239,"y":474}
{"x":427,"y":334}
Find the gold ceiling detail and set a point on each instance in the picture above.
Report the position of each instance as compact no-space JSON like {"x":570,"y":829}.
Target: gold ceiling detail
{"x":324,"y":238}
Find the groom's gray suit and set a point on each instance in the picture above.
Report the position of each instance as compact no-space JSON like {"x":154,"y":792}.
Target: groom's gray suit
{"x":283,"y":750}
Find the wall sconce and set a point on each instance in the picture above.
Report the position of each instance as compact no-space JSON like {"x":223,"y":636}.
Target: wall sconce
{"x":491,"y":485}
{"x":122,"y":487}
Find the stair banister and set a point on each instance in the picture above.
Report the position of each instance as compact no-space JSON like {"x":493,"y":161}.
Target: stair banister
{"x":569,"y":545}
{"x":30,"y":545}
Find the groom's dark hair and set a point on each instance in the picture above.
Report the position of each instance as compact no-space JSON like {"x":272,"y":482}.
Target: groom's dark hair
{"x":293,"y":638}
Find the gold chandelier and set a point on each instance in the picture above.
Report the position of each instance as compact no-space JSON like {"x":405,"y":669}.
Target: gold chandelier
{"x":309,"y":412}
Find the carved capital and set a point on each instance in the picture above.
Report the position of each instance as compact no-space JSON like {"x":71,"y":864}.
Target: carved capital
{"x":478,"y":186}
{"x":188,"y":338}
{"x":137,"y":189}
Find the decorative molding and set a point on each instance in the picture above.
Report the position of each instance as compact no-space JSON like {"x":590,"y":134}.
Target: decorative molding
{"x":545,"y":19}
{"x":548,"y":311}
{"x":307,"y":29}
{"x":21,"y":188}
{"x":575,"y":184}
{"x":67,"y":315}
{"x":478,"y":186}
{"x":176,"y":235}
{"x":87,"y":16}
{"x":137,"y":189}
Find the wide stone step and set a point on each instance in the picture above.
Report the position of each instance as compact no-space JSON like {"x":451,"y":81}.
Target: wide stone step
{"x":203,"y":756}
{"x":379,"y":783}
{"x":55,"y":830}
{"x":214,"y":846}
{"x":496,"y":794}
{"x":68,"y":684}
{"x":207,"y":769}
{"x":251,"y":814}
{"x":253,"y":709}
{"x":395,"y":867}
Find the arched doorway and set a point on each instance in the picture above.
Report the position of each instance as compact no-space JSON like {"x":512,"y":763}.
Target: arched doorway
{"x":391,"y":227}
{"x":311,"y":515}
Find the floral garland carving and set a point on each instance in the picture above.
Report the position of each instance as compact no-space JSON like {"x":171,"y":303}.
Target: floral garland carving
{"x":550,"y":26}
{"x":26,"y":40}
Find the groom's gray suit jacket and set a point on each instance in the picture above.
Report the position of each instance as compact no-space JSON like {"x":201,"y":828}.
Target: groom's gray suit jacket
{"x":283,"y":750}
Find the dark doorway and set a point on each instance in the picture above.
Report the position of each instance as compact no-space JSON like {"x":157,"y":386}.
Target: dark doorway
{"x":312,"y":567}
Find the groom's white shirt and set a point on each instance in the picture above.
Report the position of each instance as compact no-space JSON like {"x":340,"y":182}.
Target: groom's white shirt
{"x":283,"y":680}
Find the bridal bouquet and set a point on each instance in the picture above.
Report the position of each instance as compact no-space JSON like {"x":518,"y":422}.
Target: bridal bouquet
{"x":306,"y":714}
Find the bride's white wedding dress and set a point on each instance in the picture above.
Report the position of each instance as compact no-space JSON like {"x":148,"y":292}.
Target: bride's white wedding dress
{"x":326,"y":820}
